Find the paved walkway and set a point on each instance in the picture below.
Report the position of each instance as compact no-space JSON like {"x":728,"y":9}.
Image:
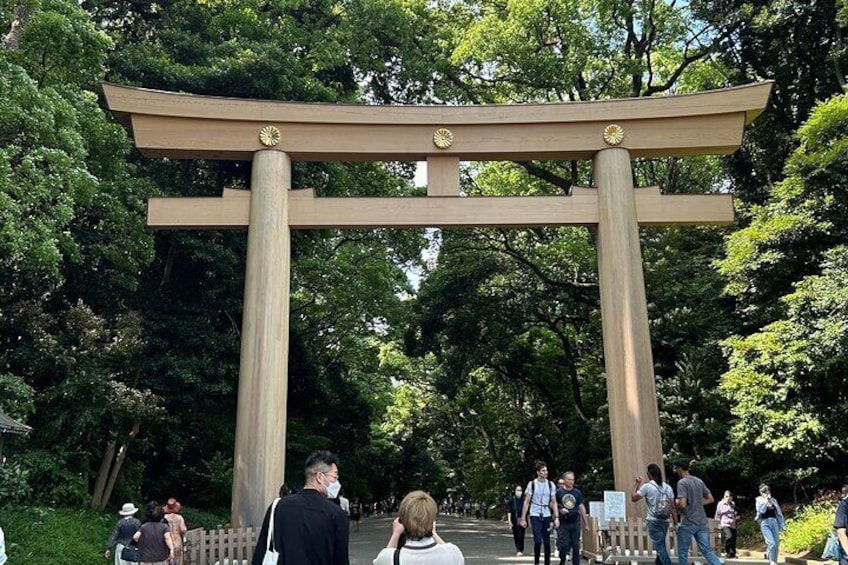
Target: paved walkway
{"x":481,"y":541}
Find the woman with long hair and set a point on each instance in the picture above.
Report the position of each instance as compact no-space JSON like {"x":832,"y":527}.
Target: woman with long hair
{"x":659,"y":499}
{"x":771,"y":520}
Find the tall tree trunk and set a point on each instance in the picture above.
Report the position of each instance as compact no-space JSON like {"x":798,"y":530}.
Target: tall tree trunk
{"x":102,"y":474}
{"x":116,"y":468}
{"x":110,"y":468}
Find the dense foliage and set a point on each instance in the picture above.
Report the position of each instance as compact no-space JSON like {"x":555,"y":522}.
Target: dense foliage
{"x":445,"y":360}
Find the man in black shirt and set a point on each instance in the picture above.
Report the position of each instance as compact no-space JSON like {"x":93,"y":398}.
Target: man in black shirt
{"x":308,"y":529}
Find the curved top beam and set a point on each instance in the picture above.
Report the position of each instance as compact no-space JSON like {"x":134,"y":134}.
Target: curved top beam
{"x":181,"y":125}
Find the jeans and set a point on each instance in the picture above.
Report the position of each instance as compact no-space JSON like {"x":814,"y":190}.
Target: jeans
{"x":729,"y":541}
{"x":771,"y":533}
{"x":657,"y":531}
{"x":685,"y":533}
{"x":568,"y":540}
{"x":541,"y":535}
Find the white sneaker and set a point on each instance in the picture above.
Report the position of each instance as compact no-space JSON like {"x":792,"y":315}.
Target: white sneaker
{"x":519,"y":554}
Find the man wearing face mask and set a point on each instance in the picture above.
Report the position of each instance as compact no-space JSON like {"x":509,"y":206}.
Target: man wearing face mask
{"x":515,"y":505}
{"x":308,"y":529}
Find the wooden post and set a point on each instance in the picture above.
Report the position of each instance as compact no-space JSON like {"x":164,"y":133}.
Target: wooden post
{"x":260,"y":445}
{"x":631,"y":390}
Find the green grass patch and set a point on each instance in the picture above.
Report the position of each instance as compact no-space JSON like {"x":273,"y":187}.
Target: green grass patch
{"x":55,"y":536}
{"x":70,"y":536}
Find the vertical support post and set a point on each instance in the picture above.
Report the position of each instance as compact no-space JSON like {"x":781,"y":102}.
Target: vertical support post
{"x":631,"y":389}
{"x":260,"y":446}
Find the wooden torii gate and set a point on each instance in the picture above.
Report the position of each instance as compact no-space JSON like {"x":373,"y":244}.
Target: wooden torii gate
{"x":273,"y":134}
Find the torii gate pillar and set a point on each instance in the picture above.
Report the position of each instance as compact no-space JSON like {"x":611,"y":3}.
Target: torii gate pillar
{"x":631,"y":389}
{"x":260,"y":452}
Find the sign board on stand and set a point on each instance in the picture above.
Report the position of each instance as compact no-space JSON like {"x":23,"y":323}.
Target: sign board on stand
{"x":614,"y":506}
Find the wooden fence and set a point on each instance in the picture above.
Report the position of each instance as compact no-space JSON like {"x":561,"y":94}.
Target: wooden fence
{"x":630,"y":538}
{"x":226,"y":546}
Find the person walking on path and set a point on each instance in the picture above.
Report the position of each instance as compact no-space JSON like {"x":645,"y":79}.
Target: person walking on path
{"x":725,"y":515}
{"x":514,"y":509}
{"x":572,"y":513}
{"x":841,"y":526}
{"x":122,"y":534}
{"x":177,"y":525}
{"x":540,"y":505}
{"x":417,"y":519}
{"x":659,"y":500}
{"x":771,"y":522}
{"x":154,"y":537}
{"x":308,"y":528}
{"x":692,"y":495}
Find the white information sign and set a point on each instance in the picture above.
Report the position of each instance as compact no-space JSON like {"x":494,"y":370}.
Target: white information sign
{"x":614,"y":505}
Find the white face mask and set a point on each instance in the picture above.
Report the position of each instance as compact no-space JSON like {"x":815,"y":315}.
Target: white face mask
{"x":518,"y":493}
{"x":333,"y":489}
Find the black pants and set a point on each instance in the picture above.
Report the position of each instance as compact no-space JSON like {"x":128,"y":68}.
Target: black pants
{"x":518,"y":537}
{"x":569,"y":541}
{"x":729,"y":541}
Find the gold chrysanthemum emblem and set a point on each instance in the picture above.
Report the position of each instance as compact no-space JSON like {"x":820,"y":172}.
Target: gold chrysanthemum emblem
{"x":269,"y":136}
{"x":613,"y":134}
{"x":443,"y":138}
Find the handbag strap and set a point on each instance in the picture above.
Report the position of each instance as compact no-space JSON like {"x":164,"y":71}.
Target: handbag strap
{"x":271,"y":524}
{"x":397,"y":556}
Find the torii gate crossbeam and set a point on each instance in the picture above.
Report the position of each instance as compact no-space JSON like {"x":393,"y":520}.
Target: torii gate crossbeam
{"x":272,"y":134}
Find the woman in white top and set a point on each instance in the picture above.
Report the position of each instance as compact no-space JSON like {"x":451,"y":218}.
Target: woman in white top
{"x":417,"y":518}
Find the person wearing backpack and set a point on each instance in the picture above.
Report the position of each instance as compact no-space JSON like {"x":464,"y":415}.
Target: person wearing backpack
{"x":659,"y":499}
{"x":540,"y":505}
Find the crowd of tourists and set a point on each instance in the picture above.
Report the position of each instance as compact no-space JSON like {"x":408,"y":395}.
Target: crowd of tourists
{"x":159,"y":539}
{"x":304,"y":528}
{"x":545,"y":508}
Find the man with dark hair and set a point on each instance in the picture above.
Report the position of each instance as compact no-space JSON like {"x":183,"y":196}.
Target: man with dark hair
{"x":540,"y":504}
{"x":307,"y":528}
{"x":692,"y":495}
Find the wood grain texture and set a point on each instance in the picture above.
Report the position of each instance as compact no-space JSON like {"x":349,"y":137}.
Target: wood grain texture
{"x":628,"y":360}
{"x":260,"y":444}
{"x":308,"y":212}
{"x":184,"y":126}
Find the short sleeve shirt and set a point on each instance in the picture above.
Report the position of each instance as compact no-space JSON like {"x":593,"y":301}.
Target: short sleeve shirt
{"x":650,"y":491}
{"x":540,"y":501}
{"x":570,"y":500}
{"x":424,"y":552}
{"x":151,"y":544}
{"x":693,"y":490}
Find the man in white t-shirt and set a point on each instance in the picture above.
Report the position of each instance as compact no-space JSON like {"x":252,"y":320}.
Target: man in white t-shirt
{"x":541,"y":506}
